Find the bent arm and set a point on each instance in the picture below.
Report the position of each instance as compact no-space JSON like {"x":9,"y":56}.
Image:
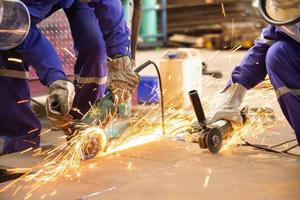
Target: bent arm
{"x":113,"y":25}
{"x":37,"y":51}
{"x":252,"y":69}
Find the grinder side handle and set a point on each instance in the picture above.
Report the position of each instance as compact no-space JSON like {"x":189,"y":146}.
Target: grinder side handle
{"x":196,"y":103}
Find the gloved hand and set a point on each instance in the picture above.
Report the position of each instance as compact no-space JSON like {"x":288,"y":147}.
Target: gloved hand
{"x":230,"y":109}
{"x":59,"y":103}
{"x":122,"y":80}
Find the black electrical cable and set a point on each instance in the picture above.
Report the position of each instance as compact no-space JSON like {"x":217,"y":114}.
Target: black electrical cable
{"x":277,"y":145}
{"x":140,"y":68}
{"x":161,"y":100}
{"x":271,"y":149}
{"x":288,"y":149}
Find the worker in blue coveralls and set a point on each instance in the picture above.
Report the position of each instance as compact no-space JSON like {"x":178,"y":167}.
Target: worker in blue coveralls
{"x":99,"y":32}
{"x":276,"y":53}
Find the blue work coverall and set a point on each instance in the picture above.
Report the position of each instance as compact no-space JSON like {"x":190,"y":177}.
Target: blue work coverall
{"x":98,"y":29}
{"x":277,"y":55}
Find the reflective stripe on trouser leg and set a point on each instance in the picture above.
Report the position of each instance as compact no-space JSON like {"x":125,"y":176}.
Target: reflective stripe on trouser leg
{"x":284,"y":90}
{"x":90,"y":67}
{"x":14,"y":74}
{"x":290,"y":104}
{"x":12,"y":66}
{"x":283,"y":66}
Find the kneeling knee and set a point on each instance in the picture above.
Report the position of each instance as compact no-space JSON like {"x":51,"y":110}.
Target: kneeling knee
{"x":277,"y":56}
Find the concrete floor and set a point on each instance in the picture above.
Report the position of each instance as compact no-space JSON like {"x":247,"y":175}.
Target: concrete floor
{"x":179,"y":170}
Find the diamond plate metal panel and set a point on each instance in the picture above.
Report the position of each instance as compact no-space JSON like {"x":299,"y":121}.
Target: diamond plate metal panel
{"x":56,"y":29}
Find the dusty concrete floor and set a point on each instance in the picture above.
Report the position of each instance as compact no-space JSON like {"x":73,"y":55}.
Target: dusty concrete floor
{"x":179,"y":170}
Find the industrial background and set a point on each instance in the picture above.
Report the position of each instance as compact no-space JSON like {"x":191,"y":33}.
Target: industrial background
{"x":196,"y":44}
{"x":172,"y":24}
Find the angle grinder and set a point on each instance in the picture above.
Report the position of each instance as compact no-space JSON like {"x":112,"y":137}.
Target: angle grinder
{"x":211,"y":135}
{"x":102,"y":112}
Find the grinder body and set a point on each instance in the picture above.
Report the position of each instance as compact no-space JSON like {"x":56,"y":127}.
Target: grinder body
{"x":104,"y":111}
{"x":100,"y":115}
{"x":211,"y":135}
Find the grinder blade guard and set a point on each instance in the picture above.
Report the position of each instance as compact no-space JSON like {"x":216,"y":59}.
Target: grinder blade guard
{"x":211,"y":135}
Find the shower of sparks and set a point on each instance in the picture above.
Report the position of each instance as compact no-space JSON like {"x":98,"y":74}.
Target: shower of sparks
{"x":258,"y":122}
{"x":11,"y":184}
{"x":60,"y":161}
{"x":64,"y":161}
{"x":236,"y":48}
{"x":253,"y":128}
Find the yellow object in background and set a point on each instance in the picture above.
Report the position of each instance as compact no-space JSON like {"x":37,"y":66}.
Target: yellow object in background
{"x":181,"y":71}
{"x":247,"y":44}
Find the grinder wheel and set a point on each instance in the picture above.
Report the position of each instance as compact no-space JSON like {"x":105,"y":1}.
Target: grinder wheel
{"x":91,"y":148}
{"x":214,"y":140}
{"x":94,"y":144}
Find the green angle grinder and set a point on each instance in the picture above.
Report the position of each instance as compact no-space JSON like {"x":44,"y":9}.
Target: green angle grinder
{"x":210,"y":135}
{"x":100,"y":115}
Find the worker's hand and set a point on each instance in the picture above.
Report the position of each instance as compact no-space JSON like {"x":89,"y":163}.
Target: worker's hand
{"x":230,"y":110}
{"x":59,"y":103}
{"x":122,"y":80}
{"x":233,"y":115}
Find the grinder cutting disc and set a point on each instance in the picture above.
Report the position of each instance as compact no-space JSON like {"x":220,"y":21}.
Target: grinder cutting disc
{"x":94,"y":143}
{"x":91,"y":148}
{"x":214,"y":140}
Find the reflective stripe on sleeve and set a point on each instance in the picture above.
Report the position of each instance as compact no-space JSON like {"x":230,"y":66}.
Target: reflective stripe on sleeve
{"x":90,"y":80}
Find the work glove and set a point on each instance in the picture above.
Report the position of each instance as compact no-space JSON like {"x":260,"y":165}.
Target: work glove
{"x":122,"y":80}
{"x":230,"y":110}
{"x":59,"y":103}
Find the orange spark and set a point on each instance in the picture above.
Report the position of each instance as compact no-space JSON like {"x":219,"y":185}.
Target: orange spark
{"x":23,"y":101}
{"x":26,"y":150}
{"x":33,"y":130}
